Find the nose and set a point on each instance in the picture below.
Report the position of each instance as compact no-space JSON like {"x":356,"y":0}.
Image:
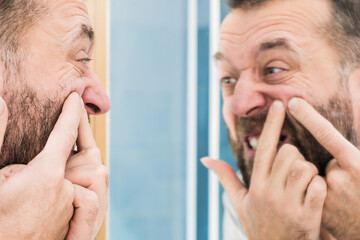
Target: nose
{"x":95,"y":98}
{"x":248,"y":99}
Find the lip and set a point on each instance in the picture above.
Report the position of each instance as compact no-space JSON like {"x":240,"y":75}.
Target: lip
{"x":250,"y":152}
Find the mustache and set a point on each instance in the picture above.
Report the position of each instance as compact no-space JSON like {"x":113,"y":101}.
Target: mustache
{"x":245,"y":126}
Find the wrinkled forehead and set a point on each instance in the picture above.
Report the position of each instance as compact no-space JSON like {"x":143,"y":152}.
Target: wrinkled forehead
{"x":65,"y":9}
{"x":67,"y":18}
{"x":298,"y":18}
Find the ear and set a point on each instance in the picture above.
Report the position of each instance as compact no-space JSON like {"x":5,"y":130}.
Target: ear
{"x":354,"y":90}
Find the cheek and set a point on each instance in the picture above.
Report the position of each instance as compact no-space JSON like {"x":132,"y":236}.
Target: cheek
{"x":285,"y":93}
{"x":71,"y":81}
{"x":229,"y":118}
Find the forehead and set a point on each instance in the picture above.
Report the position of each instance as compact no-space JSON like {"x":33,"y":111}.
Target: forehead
{"x":68,"y":13}
{"x":294,"y":20}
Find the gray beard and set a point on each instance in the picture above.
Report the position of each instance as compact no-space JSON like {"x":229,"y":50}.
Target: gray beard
{"x":338,"y":111}
{"x":30,"y":123}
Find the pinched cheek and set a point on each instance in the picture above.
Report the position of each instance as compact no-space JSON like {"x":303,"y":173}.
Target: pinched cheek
{"x":285,"y":93}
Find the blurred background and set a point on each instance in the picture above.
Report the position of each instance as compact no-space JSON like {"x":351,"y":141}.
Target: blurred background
{"x":154,"y":57}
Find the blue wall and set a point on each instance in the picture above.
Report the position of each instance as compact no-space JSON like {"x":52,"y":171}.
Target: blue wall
{"x":148,"y":120}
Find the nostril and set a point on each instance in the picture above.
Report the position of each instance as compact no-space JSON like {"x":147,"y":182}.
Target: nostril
{"x":93,"y":107}
{"x":250,"y":111}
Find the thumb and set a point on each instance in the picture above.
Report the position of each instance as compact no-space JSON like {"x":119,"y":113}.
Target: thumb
{"x":228,"y":179}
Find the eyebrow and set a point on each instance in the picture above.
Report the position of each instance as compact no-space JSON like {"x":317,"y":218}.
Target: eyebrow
{"x":279,"y":43}
{"x":219,"y":56}
{"x":86,"y":32}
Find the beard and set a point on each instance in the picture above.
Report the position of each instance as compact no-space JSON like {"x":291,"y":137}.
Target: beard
{"x":338,"y":111}
{"x":30,"y":122}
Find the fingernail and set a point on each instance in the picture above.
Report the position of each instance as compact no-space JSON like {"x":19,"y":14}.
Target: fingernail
{"x":293,"y":104}
{"x":204,"y":161}
{"x":81,"y":101}
{"x":276,"y":106}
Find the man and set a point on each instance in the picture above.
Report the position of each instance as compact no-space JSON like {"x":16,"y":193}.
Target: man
{"x":47,"y":190}
{"x":290,"y":79}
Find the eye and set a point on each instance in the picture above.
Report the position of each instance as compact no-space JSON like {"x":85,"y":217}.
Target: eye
{"x":228,"y":80}
{"x":273,"y":70}
{"x":84,"y":61}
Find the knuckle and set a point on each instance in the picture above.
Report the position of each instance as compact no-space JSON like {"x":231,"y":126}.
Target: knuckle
{"x":94,"y":152}
{"x":317,"y":190}
{"x":297,"y":170}
{"x":94,"y":155}
{"x":318,"y":186}
{"x":309,"y":167}
{"x":334,"y":179}
{"x":288,"y":150}
{"x":103,"y":174}
{"x":301,"y":168}
{"x":295,"y":174}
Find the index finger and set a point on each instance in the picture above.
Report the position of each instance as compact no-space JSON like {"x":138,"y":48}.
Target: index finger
{"x":324,"y":132}
{"x":64,"y":134}
{"x":85,"y":138}
{"x":268,"y":142}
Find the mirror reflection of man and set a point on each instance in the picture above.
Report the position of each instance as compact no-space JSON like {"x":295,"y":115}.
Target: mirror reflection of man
{"x":290,"y":80}
{"x":47,"y":190}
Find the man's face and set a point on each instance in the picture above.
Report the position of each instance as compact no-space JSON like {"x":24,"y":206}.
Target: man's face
{"x":276,"y":52}
{"x":57,"y":52}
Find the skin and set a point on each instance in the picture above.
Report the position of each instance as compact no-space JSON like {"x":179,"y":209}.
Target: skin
{"x":65,"y":191}
{"x":285,"y":197}
{"x":57,"y":58}
{"x":39,"y":190}
{"x":251,"y":81}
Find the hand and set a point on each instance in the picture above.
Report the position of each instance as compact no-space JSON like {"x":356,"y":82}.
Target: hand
{"x":341,"y":216}
{"x":286,"y":196}
{"x":90,"y":176}
{"x":36,"y":200}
